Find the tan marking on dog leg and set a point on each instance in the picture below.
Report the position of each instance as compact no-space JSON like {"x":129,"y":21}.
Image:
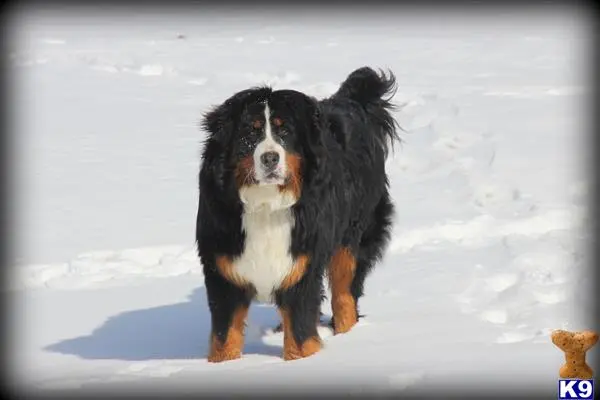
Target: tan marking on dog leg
{"x":291,"y":349}
{"x":341,"y":273}
{"x":231,"y":348}
{"x":297,"y":272}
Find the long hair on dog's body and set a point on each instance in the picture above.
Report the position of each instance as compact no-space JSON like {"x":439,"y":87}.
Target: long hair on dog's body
{"x":293,"y":189}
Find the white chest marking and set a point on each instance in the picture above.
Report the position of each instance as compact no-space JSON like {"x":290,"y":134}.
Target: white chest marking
{"x":268,"y":223}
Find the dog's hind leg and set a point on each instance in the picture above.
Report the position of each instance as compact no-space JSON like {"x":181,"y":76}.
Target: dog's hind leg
{"x":347,"y":272}
{"x":341,"y":273}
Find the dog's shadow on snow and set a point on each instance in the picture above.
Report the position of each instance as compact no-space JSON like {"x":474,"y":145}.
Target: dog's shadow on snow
{"x":176,"y":331}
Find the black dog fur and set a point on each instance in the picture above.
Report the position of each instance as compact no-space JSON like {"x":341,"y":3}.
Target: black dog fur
{"x":342,"y":142}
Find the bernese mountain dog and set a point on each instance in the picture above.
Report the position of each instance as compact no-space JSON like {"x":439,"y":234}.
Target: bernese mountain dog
{"x":293,"y":189}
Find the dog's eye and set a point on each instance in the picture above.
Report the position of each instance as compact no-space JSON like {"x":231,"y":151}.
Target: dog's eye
{"x":257,"y":124}
{"x":277,"y":122}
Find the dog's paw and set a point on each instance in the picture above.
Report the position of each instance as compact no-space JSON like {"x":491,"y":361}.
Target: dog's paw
{"x":221,"y":356}
{"x":343,"y":328}
{"x":293,"y":351}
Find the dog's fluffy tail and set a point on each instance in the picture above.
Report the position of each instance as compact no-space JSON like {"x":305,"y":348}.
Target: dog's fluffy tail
{"x":374,"y":91}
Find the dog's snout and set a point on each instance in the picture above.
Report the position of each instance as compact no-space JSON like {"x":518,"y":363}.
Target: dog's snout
{"x":270,"y":159}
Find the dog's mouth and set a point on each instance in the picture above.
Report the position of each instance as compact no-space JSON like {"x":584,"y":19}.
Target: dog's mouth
{"x":273,"y":177}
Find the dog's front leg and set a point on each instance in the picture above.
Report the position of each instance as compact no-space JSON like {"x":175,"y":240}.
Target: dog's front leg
{"x":299,"y":307}
{"x":228,"y":304}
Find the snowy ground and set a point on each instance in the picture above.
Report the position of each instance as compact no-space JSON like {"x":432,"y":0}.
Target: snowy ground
{"x":489,"y":249}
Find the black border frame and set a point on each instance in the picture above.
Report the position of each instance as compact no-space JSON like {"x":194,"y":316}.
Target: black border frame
{"x":588,"y":13}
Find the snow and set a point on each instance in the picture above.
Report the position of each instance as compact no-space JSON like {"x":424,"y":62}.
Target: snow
{"x":489,"y":251}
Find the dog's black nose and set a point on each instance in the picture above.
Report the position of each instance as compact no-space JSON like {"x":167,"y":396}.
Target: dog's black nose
{"x":270,"y":159}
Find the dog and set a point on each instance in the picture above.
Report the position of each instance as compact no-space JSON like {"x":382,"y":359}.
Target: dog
{"x":293,"y":190}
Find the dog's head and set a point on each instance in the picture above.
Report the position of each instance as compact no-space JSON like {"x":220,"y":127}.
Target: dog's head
{"x":265,"y":145}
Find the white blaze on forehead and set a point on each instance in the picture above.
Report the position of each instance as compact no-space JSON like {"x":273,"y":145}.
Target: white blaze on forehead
{"x":268,"y":144}
{"x":268,"y":130}
{"x":269,"y":141}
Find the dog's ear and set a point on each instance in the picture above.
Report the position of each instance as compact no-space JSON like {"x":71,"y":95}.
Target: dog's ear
{"x":317,"y":124}
{"x":222,"y":120}
{"x":316,"y":151}
{"x":221,"y":123}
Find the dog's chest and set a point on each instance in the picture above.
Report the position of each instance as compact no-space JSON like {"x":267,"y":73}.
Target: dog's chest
{"x":266,"y":259}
